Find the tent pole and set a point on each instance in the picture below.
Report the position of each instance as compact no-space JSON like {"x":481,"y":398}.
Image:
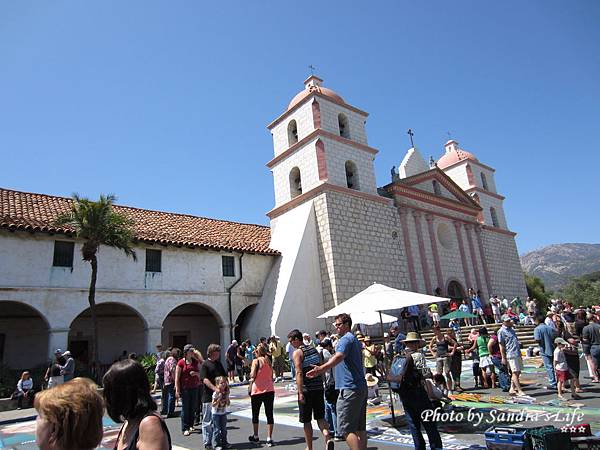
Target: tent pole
{"x":385,"y":363}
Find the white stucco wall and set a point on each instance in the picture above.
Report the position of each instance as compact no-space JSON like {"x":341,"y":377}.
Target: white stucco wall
{"x":412,"y":164}
{"x":188,"y":276}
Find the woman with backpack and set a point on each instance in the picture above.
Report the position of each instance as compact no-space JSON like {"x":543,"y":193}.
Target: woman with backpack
{"x":410,"y":386}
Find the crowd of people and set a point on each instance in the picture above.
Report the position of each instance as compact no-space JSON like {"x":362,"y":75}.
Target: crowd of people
{"x":334,"y":375}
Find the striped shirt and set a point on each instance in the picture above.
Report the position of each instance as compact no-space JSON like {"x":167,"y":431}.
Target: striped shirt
{"x":311,"y":358}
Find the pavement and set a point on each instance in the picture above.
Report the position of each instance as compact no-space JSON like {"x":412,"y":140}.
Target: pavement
{"x":461,"y":427}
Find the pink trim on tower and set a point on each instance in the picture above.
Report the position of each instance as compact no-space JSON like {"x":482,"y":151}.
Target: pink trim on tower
{"x":321,"y":161}
{"x":436,"y":255}
{"x":409,"y":256}
{"x":473,"y":257}
{"x":463,"y":257}
{"x":422,"y":254}
{"x":486,"y":272}
{"x":316,"y":110}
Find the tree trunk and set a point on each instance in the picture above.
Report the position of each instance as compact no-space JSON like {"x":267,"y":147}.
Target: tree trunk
{"x":92,"y":302}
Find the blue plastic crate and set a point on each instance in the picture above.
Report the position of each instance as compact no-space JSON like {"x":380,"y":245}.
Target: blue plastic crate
{"x":506,"y":438}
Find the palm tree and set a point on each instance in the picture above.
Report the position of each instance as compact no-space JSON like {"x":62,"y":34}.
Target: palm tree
{"x":96,"y":223}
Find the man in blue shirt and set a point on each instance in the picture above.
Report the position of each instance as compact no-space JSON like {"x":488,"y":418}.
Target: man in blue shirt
{"x":350,"y":381}
{"x":413,"y":311}
{"x":510,"y":349}
{"x":545,"y":335}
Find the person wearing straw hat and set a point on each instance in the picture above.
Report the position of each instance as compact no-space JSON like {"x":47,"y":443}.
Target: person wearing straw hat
{"x":372,"y":389}
{"x":414,"y":397}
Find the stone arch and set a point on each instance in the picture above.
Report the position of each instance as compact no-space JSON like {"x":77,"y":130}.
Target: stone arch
{"x":240,"y":330}
{"x":484,"y":182}
{"x":295,"y":182}
{"x":455,"y":290}
{"x":192,"y":323}
{"x":352,"y":180}
{"x":121,"y":328}
{"x":494,"y":216}
{"x":22,"y":327}
{"x":292,"y":131}
{"x":343,"y":126}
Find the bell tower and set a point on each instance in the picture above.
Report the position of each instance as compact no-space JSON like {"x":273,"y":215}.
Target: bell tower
{"x":320,"y":140}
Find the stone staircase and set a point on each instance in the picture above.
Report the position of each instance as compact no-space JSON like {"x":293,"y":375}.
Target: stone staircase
{"x":524,"y":333}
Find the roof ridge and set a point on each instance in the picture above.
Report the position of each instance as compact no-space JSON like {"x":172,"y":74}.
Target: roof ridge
{"x":142,"y":209}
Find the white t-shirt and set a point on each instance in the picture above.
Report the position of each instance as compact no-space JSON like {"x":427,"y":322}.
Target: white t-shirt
{"x":560,"y":362}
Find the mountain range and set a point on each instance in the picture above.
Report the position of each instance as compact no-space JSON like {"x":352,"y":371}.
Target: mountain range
{"x":557,"y":264}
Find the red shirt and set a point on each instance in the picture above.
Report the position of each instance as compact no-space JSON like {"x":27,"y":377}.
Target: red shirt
{"x":188,"y":381}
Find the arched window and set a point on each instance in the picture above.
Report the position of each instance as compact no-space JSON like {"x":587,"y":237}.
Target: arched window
{"x":351,"y":175}
{"x":455,"y":290}
{"x":292,"y":132}
{"x":484,"y":181}
{"x":295,"y":182}
{"x":343,"y":125}
{"x":436,"y":188}
{"x":494,"y":217}
{"x":470,"y":176}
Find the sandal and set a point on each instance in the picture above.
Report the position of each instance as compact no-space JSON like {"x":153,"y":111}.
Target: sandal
{"x":459,"y":389}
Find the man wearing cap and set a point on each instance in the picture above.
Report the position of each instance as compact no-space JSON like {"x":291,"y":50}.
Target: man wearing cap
{"x":68,"y":369}
{"x":351,"y":404}
{"x":414,"y":397}
{"x":510,"y":349}
{"x":544,"y":336}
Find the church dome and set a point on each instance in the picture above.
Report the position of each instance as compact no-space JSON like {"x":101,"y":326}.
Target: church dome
{"x":313,"y":84}
{"x":453,"y":155}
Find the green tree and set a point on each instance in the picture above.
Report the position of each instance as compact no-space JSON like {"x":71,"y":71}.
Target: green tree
{"x":96,"y":223}
{"x":536,"y":289}
{"x":582,"y":291}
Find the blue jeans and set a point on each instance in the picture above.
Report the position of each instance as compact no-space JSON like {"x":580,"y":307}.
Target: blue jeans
{"x":414,"y":404}
{"x":331,"y":416}
{"x":189,"y":398}
{"x":548,"y":364}
{"x":207,"y":423}
{"x":219,"y":425}
{"x":168,"y":399}
{"x":503,"y":376}
{"x":595,"y":352}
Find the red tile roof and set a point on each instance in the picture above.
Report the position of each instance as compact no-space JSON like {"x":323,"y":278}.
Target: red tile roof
{"x":36,"y":212}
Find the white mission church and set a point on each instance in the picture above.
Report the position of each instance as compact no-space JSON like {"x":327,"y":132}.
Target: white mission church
{"x":435,"y":228}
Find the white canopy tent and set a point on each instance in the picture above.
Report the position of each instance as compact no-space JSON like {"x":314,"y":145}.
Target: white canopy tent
{"x":371,"y":318}
{"x":379,"y":297}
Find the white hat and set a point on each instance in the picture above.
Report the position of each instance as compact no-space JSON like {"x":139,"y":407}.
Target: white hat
{"x":67,"y":353}
{"x":371,"y":380}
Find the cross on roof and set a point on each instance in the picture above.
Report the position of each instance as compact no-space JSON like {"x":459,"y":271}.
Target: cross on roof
{"x":312,"y":69}
{"x":411,"y":134}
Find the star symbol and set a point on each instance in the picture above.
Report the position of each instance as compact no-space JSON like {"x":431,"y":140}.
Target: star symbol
{"x":564,"y":429}
{"x":581,"y":429}
{"x":573,"y":429}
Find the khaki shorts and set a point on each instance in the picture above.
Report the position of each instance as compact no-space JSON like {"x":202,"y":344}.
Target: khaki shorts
{"x":516,"y":364}
{"x":442,"y":365}
{"x":351,"y":411}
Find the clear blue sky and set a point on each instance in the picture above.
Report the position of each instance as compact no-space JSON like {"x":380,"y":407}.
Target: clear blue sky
{"x":165,"y":104}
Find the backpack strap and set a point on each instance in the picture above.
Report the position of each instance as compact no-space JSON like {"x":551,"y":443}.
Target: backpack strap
{"x":133,"y":444}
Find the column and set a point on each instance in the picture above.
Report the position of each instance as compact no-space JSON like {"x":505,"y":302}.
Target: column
{"x":224,"y":337}
{"x":461,"y":248}
{"x":57,"y":338}
{"x":468,"y":228}
{"x":153,"y":338}
{"x":422,"y":254}
{"x":402,"y":212}
{"x":486,"y":272}
{"x":436,"y":255}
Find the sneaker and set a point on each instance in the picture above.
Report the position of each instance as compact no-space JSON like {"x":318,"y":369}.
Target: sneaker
{"x":330,"y":444}
{"x":270,"y":443}
{"x":253,"y":439}
{"x":339,"y":439}
{"x":186,"y":433}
